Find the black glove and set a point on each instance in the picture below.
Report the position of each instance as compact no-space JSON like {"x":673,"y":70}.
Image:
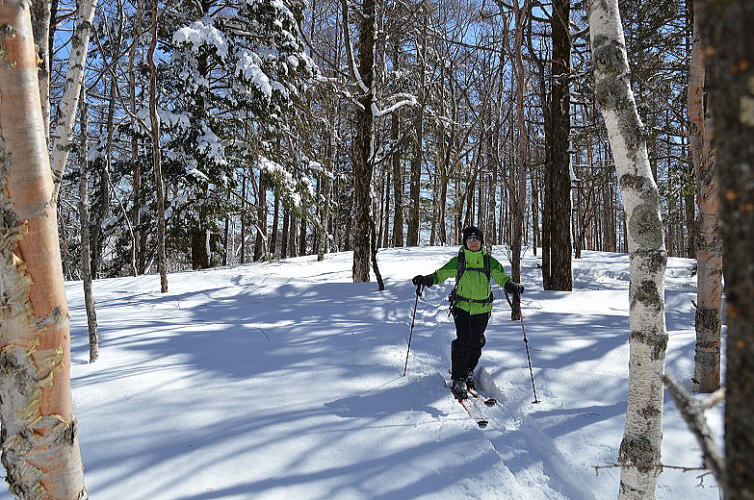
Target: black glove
{"x":422,"y":280}
{"x":514,"y":288}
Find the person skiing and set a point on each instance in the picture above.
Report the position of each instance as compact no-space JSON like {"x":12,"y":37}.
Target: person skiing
{"x":470,"y":303}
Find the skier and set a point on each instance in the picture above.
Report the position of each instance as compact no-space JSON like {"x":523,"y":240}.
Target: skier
{"x":470,"y":303}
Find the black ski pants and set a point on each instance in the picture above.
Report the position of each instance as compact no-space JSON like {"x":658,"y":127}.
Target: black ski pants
{"x":466,"y":349}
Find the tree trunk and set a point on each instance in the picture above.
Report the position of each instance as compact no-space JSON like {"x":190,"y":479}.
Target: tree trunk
{"x":284,"y":239}
{"x":86,"y":269}
{"x":138,"y":255}
{"x":39,"y":438}
{"x":63,"y":134}
{"x":519,"y":199}
{"x":640,"y":450}
{"x":413,"y":236}
{"x":243,"y":220}
{"x":199,"y":251}
{"x":385,"y":229}
{"x":275,"y":220}
{"x":413,"y":230}
{"x":364,"y":147}
{"x":709,"y":248}
{"x":326,"y":194}
{"x":560,"y":115}
{"x":324,"y":217}
{"x":40,"y":19}
{"x":728,"y":37}
{"x":260,"y":241}
{"x":157,"y":156}
{"x":302,"y":237}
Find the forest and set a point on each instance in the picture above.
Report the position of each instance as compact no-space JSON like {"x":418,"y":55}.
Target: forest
{"x":196,"y":134}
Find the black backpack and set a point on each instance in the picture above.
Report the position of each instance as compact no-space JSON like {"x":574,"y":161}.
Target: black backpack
{"x":454,"y":298}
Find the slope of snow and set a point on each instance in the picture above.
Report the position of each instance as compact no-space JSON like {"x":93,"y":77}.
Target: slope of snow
{"x":283,"y":380}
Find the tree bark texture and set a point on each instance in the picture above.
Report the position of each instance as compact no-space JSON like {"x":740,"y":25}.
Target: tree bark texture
{"x":640,"y":450}
{"x":364,"y":147}
{"x":86,"y":263}
{"x":560,"y":175}
{"x":40,"y":20}
{"x":63,"y":133}
{"x":38,"y":439}
{"x":709,"y":249}
{"x":728,"y":38}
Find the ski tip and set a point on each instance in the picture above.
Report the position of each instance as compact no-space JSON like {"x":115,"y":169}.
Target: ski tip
{"x":482,"y":423}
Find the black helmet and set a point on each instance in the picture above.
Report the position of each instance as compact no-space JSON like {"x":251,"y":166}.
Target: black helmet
{"x":472,"y":231}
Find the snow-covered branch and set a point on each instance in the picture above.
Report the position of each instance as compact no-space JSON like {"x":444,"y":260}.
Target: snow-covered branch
{"x":349,"y":49}
{"x":376,"y":111}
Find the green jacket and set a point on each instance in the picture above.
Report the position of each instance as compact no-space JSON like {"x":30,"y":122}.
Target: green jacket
{"x":473,"y":284}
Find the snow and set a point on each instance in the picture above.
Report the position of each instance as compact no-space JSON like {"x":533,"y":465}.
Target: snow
{"x":202,"y":33}
{"x":284,"y":175}
{"x":283,"y":380}
{"x":249,"y":66}
{"x":211,"y":145}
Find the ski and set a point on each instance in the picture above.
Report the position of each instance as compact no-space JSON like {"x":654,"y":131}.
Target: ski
{"x":487,"y":401}
{"x":471,"y":408}
{"x":473,"y":412}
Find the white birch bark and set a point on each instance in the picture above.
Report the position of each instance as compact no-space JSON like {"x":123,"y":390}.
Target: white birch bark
{"x":640,"y":449}
{"x":62,"y":136}
{"x":39,"y":439}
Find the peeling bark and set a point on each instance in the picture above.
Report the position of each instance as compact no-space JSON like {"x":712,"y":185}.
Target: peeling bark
{"x":709,"y":251}
{"x":642,"y":439}
{"x":38,"y":439}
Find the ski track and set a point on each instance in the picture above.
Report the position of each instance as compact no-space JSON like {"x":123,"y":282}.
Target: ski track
{"x":282,"y":380}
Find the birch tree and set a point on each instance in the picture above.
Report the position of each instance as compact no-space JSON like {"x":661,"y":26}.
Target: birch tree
{"x":640,"y":448}
{"x":39,"y":439}
{"x":709,"y":252}
{"x":62,"y":136}
{"x":728,"y":38}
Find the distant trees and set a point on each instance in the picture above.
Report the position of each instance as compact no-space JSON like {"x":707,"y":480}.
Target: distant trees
{"x":259,"y":155}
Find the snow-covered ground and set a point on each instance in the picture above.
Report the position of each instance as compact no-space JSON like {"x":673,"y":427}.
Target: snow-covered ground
{"x":283,"y":381}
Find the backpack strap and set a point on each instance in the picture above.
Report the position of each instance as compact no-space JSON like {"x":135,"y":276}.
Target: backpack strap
{"x":460,"y":265}
{"x":460,"y":269}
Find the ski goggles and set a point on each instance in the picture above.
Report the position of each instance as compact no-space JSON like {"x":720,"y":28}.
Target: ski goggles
{"x":473,"y":237}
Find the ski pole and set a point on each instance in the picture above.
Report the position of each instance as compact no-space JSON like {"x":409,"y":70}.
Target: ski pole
{"x":517,"y":297}
{"x":411,"y":332}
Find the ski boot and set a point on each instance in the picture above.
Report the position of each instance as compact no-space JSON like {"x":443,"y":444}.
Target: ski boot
{"x":459,"y":388}
{"x":471,"y":380}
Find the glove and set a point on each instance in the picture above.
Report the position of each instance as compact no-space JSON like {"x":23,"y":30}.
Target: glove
{"x":422,"y":280}
{"x":514,"y":288}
